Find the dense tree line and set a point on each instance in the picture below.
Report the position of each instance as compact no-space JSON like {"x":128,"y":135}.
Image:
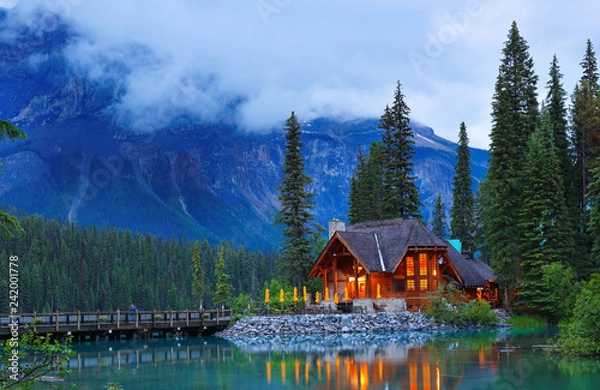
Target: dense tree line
{"x":383,"y":184}
{"x":66,"y":267}
{"x":537,"y":209}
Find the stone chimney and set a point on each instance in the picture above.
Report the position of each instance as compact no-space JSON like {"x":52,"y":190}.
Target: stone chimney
{"x":336,"y":225}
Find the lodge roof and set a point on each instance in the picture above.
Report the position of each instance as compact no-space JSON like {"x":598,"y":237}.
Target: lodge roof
{"x":381,"y":245}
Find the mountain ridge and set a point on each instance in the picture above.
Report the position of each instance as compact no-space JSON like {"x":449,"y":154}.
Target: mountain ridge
{"x":190,"y":178}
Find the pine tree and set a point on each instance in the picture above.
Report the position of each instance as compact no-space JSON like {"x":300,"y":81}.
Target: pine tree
{"x":514,"y":118}
{"x":462,"y":223}
{"x":594,"y":222}
{"x":555,"y":104}
{"x":439,"y":225}
{"x":9,"y":223}
{"x":366,"y":192}
{"x":223,"y":287}
{"x":199,"y":280}
{"x":545,"y":234}
{"x":295,"y":215}
{"x":400,"y":193}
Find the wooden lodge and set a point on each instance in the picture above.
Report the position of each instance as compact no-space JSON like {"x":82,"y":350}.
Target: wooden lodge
{"x":399,"y":258}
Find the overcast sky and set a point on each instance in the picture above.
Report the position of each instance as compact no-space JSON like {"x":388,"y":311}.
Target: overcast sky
{"x":317,"y":57}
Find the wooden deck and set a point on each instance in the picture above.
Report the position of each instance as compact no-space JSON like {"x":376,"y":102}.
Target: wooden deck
{"x":119,"y":324}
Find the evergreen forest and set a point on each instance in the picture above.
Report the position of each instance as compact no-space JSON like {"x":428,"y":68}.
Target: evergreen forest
{"x":65,"y":267}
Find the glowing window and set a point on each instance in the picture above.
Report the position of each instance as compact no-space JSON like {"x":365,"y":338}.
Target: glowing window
{"x":410,"y":266}
{"x":422,"y":263}
{"x":423,"y":284}
{"x":410,"y":285}
{"x":433,"y":267}
{"x":434,"y":284}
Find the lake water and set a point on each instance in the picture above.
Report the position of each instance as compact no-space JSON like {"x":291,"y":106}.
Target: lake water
{"x":510,"y":359}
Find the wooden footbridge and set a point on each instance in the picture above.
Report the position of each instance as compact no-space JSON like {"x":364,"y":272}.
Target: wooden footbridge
{"x":118,"y":325}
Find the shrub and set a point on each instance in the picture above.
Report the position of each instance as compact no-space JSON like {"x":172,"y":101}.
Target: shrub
{"x":580,"y":335}
{"x":448,"y":305}
{"x":523,"y":321}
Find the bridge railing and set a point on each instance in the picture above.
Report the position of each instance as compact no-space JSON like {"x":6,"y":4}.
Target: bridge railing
{"x":126,"y":319}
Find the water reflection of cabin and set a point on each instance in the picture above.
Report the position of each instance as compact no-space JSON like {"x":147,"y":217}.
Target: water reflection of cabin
{"x":398,"y":258}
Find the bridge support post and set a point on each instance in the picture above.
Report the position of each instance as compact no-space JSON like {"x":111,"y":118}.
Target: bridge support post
{"x":171,"y":318}
{"x":56,"y":327}
{"x":187,"y":317}
{"x":78,"y":320}
{"x":118,"y":318}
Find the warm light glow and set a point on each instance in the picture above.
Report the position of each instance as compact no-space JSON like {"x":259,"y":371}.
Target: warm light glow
{"x":306,"y":373}
{"x":282,"y":371}
{"x":295,"y":294}
{"x":267,"y":297}
{"x":410,"y":266}
{"x":438,"y":381}
{"x":281,"y":296}
{"x":423,"y":284}
{"x":326,"y":297}
{"x":423,"y":264}
{"x":304,"y":293}
{"x":351,"y":279}
{"x":364,"y":375}
{"x":426,"y":367}
{"x":297,"y":371}
{"x":336,"y":299}
{"x":346,"y":297}
{"x":413,"y":378}
{"x":268,"y":372}
{"x":378,"y":291}
{"x":317,"y":298}
{"x":319,"y":367}
{"x":410,"y":285}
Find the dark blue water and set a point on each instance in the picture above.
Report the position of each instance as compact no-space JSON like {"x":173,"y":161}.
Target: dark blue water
{"x":513,"y":359}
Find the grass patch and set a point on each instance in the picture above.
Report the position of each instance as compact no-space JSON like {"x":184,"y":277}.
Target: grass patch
{"x":523,"y":321}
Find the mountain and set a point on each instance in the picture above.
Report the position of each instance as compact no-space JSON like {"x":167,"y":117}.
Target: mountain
{"x":188,"y":178}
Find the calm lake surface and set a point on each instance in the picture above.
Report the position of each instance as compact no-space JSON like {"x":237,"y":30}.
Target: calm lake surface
{"x":487,"y":359}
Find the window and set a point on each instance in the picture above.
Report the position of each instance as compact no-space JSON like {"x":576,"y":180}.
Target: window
{"x":434,"y":284}
{"x":434,"y":267}
{"x":410,"y":266}
{"x":423,"y":284}
{"x":423,"y":264}
{"x":410,"y":285}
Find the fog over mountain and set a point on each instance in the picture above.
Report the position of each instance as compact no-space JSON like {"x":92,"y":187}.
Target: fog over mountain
{"x":153,"y":140}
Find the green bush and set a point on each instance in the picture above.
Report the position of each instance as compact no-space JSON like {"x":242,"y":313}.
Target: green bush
{"x":580,"y":335}
{"x":523,"y":321}
{"x":448,"y":305}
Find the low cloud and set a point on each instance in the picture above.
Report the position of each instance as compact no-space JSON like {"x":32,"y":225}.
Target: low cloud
{"x":251,"y":62}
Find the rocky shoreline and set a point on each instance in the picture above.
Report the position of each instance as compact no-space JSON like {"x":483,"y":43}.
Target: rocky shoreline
{"x":309,"y":324}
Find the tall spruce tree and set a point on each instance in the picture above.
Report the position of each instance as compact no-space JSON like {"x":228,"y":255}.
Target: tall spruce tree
{"x":295,"y":215}
{"x":545,"y":233}
{"x":439,"y":225}
{"x":366,"y":192}
{"x":223,"y":287}
{"x":585,"y":132}
{"x":514,"y":118}
{"x":199,"y":278}
{"x":462,"y":213}
{"x":594,"y":222}
{"x":400,"y":193}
